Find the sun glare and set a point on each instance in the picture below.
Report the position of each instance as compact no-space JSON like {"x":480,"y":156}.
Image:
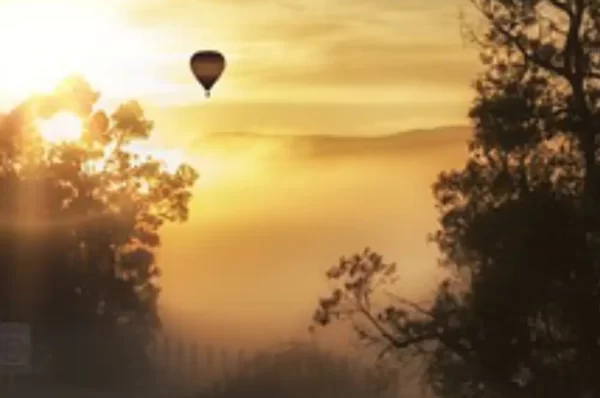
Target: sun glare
{"x":171,"y":158}
{"x":48,"y":41}
{"x":61,"y":127}
{"x":213,"y":169}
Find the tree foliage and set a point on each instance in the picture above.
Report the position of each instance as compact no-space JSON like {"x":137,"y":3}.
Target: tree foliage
{"x":79,"y":232}
{"x":519,"y":232}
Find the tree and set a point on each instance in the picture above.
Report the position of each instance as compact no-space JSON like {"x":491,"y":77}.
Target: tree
{"x":519,"y":313}
{"x":79,"y":232}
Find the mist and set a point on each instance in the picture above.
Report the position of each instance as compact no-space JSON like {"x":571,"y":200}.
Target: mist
{"x":272,"y":213}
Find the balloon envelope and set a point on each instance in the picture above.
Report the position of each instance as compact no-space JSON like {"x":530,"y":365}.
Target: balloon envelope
{"x":207,"y":66}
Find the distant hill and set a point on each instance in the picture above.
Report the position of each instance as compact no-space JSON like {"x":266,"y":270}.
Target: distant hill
{"x":328,"y":145}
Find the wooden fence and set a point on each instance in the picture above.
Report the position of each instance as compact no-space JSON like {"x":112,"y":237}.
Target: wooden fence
{"x":188,"y":369}
{"x":194,"y":369}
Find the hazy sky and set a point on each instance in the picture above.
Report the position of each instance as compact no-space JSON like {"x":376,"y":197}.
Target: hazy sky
{"x":250,"y":262}
{"x":293,"y":65}
{"x":263,"y":229}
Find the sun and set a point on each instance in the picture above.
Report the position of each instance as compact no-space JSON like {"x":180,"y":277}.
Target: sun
{"x":62,"y":127}
{"x":46,"y":40}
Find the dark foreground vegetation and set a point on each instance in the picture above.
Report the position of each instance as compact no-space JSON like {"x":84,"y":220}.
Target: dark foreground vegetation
{"x":519,"y":234}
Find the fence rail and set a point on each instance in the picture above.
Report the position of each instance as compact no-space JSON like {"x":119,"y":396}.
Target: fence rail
{"x":197,"y":369}
{"x":184,"y":368}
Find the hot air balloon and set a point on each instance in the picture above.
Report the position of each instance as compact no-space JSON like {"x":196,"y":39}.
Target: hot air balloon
{"x":207,"y":66}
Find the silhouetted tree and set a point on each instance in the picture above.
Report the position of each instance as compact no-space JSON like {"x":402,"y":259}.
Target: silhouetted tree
{"x":79,"y":232}
{"x":519,"y":315}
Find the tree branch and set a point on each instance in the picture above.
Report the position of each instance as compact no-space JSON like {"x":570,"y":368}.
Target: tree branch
{"x":562,"y":6}
{"x":527,"y":55}
{"x":396,"y":343}
{"x":411,"y":304}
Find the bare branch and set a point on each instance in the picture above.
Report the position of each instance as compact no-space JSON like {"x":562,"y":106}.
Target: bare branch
{"x":396,"y":343}
{"x":411,"y":304}
{"x":384,"y":351}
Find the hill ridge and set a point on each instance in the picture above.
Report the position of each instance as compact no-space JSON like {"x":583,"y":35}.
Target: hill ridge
{"x":404,"y":133}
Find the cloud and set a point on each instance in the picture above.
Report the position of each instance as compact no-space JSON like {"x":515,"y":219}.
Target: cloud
{"x":364,"y":61}
{"x":275,"y":46}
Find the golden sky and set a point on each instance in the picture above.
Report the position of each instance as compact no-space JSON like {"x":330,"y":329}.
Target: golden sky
{"x":263,"y":232}
{"x":339,"y":67}
{"x":294,"y":66}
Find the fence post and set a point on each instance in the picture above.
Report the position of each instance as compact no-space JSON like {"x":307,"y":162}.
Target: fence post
{"x":182,"y":366}
{"x":395,"y":385}
{"x":151,"y":352}
{"x":224,"y":365}
{"x":209,"y":368}
{"x":238,"y":363}
{"x":194,"y":366}
{"x":166,"y":363}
